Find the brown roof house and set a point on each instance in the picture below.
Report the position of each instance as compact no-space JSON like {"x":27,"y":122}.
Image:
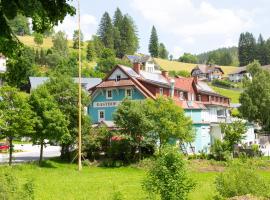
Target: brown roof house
{"x":239,"y":74}
{"x":207,"y":72}
{"x":147,"y":62}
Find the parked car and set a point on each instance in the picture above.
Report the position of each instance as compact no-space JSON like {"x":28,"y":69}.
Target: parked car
{"x":4,"y":146}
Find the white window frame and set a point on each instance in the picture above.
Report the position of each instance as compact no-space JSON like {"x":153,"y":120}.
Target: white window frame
{"x":118,"y":75}
{"x":160,"y":91}
{"x":101,"y":119}
{"x":181,"y":95}
{"x":126,"y":94}
{"x":107,"y":92}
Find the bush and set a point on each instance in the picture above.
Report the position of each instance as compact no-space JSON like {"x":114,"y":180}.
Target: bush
{"x":219,"y":151}
{"x":168,"y":177}
{"x":11,"y":189}
{"x":223,"y":83}
{"x":241,"y":179}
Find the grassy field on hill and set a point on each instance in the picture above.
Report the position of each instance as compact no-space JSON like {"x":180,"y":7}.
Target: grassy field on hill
{"x":62,"y":181}
{"x":177,"y":66}
{"x":232,"y":94}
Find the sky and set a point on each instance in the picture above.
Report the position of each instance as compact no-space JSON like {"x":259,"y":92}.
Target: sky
{"x":192,"y":26}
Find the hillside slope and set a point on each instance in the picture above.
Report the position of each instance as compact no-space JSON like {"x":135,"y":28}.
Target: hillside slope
{"x":177,"y":66}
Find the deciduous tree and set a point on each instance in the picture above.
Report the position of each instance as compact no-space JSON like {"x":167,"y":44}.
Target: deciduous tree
{"x":90,"y":51}
{"x":51,"y":123}
{"x":60,"y":43}
{"x":169,"y":121}
{"x":162,"y":51}
{"x":38,"y":38}
{"x":65,"y":92}
{"x":188,"y":58}
{"x":76,"y":39}
{"x":44,"y":14}
{"x":255,"y":99}
{"x":233,"y":133}
{"x":16,"y":116}
{"x":131,"y":117}
{"x":167,"y":178}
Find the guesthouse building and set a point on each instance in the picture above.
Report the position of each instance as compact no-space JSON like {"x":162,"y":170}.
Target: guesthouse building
{"x":204,"y":106}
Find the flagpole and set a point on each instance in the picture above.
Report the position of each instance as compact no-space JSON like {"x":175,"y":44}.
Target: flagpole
{"x":80,"y":95}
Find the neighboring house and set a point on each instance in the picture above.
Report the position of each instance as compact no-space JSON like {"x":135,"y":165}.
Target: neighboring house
{"x":3,"y":67}
{"x":205,"y":107}
{"x":239,"y":74}
{"x":207,"y":72}
{"x":86,"y":82}
{"x":148,"y":63}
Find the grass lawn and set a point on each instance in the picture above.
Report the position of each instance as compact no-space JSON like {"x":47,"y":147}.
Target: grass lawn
{"x":177,"y":66}
{"x":62,"y":181}
{"x":232,"y":94}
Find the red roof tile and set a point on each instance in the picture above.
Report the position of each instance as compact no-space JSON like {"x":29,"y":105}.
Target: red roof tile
{"x":189,"y":104}
{"x":113,"y":83}
{"x":185,"y":84}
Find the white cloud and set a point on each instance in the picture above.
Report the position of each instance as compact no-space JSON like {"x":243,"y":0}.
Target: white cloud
{"x":70,"y":23}
{"x":185,"y":18}
{"x":189,"y":40}
{"x":177,"y":51}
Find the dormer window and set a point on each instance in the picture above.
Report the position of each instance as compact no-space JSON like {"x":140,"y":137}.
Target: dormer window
{"x":118,"y":77}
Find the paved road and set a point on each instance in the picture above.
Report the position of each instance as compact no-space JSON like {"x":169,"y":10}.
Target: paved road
{"x":30,"y":153}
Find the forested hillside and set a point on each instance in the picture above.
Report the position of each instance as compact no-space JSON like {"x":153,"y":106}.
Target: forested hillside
{"x":221,"y":56}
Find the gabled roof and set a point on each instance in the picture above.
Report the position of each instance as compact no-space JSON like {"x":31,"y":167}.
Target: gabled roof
{"x":86,"y":82}
{"x":138,"y":58}
{"x":190,"y":104}
{"x":240,"y":70}
{"x":132,"y":81}
{"x":154,"y":77}
{"x":205,"y":69}
{"x":113,"y":83}
{"x":185,"y":84}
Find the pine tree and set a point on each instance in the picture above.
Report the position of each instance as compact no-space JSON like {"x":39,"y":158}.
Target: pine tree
{"x":105,"y":31}
{"x":76,"y":39}
{"x":90,"y":51}
{"x":267,"y":51}
{"x":117,"y":23}
{"x":129,"y":38}
{"x":261,"y":52}
{"x":163,"y":53}
{"x":246,"y":48}
{"x":153,"y":43}
{"x":118,"y":19}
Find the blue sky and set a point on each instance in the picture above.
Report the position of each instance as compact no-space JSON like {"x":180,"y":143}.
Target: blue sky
{"x":191,"y":26}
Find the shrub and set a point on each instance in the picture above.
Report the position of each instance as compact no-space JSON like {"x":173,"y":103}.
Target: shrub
{"x":223,"y":83}
{"x":241,"y":179}
{"x":219,"y":151}
{"x":168,"y":176}
{"x":11,"y":189}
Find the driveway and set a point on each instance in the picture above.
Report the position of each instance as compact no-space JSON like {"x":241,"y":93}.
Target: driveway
{"x":30,"y":153}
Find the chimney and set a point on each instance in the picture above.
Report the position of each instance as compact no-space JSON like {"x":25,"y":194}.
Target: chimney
{"x":137,"y":67}
{"x":165,"y":74}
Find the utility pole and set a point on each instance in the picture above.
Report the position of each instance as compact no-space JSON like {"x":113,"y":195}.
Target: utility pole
{"x":80,"y":95}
